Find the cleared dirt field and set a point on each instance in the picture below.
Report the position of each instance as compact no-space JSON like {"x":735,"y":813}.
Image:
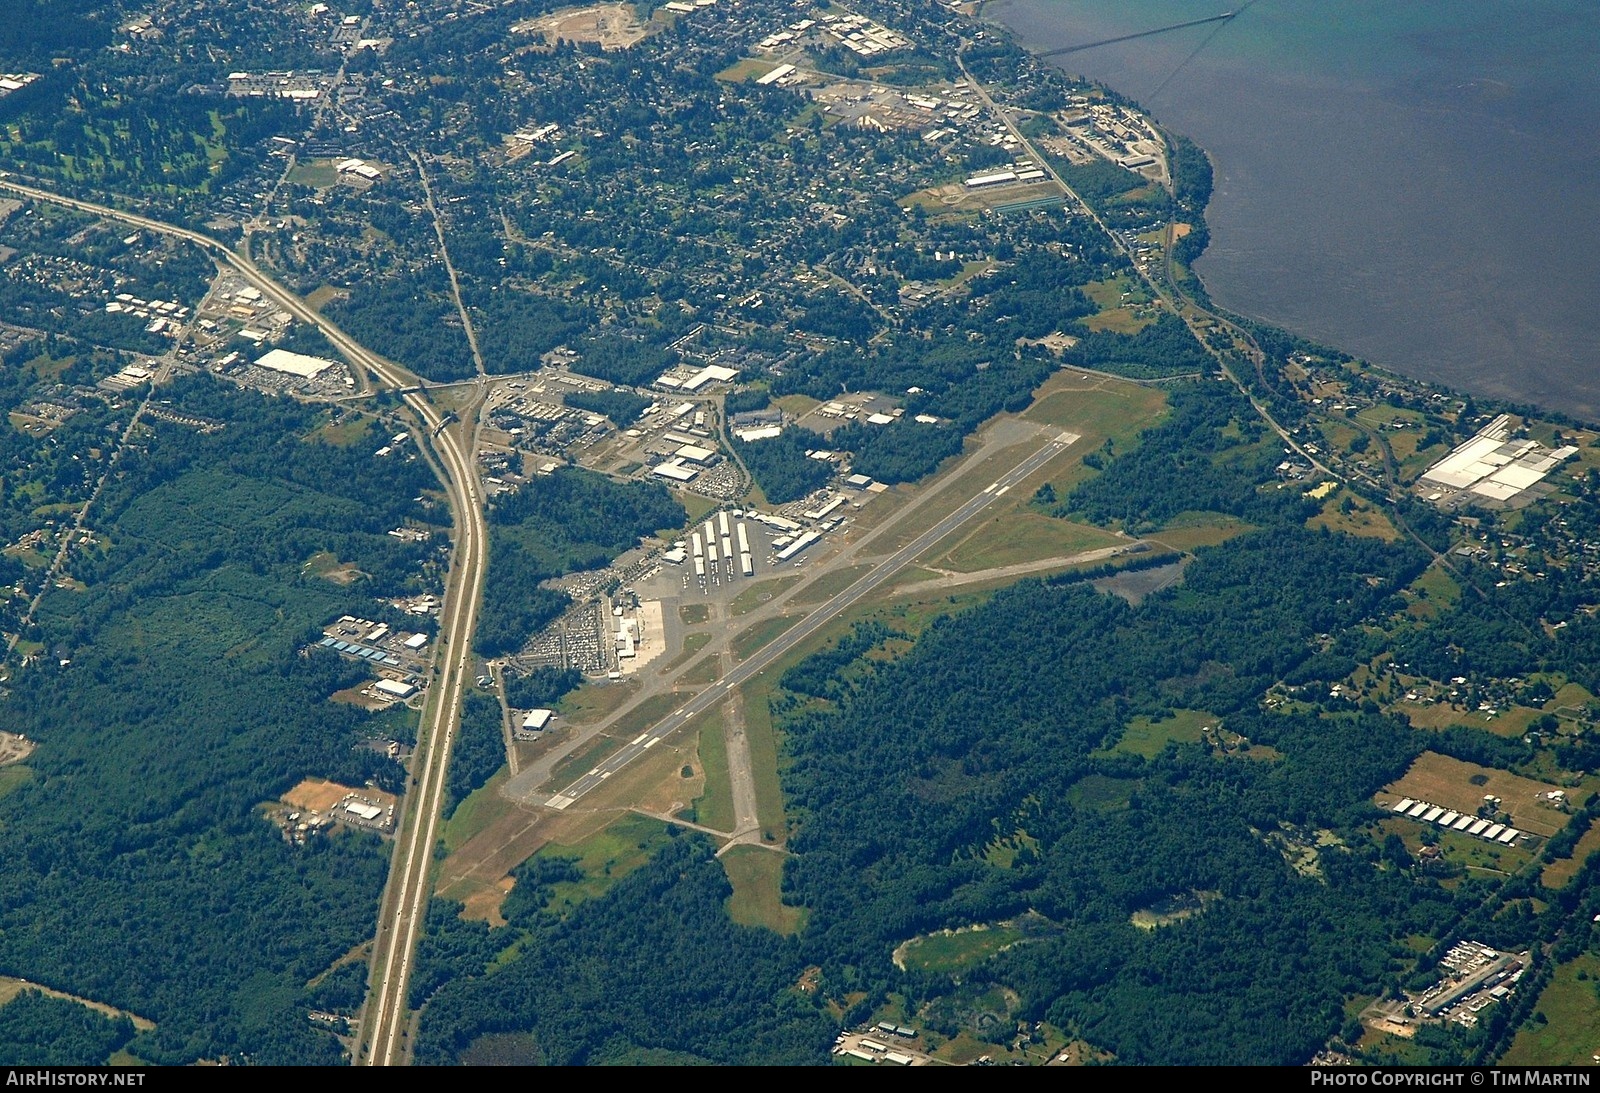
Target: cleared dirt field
{"x":1442,"y":780}
{"x":14,"y":748}
{"x":320,"y":795}
{"x":614,"y":26}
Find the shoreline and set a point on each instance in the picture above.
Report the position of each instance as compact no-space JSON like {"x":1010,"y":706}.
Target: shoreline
{"x":1483,"y":330}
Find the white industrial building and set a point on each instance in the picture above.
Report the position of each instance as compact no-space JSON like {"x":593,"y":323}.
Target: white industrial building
{"x":675,"y":470}
{"x":295,"y":364}
{"x":1493,"y":467}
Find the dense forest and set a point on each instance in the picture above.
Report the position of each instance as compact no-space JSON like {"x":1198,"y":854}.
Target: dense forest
{"x":411,"y":319}
{"x":554,"y":524}
{"x":139,"y":871}
{"x":997,"y":803}
{"x":652,"y":973}
{"x":781,"y":466}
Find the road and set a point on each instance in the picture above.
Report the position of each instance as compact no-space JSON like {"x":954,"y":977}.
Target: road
{"x":718,"y":692}
{"x":405,"y":900}
{"x":1184,"y":308}
{"x":449,"y":267}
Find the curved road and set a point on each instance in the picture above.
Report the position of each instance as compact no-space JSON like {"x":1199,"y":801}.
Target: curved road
{"x":405,"y":899}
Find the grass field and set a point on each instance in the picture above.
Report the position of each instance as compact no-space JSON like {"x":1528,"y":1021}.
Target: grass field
{"x":1362,"y":519}
{"x":762,"y":739}
{"x":13,"y":778}
{"x":646,"y":714}
{"x":831,"y":584}
{"x":574,"y":765}
{"x":692,"y":613}
{"x":607,"y":856}
{"x":1570,"y":1033}
{"x":748,"y":69}
{"x":696,"y":506}
{"x":1097,"y":408}
{"x":757,"y":878}
{"x":796,"y":405}
{"x":758,"y":635}
{"x":1454,"y":784}
{"x":324,"y":295}
{"x":593,"y":702}
{"x":709,"y":671}
{"x":1015,"y":537}
{"x":1437,"y":586}
{"x":321,"y":174}
{"x":1192,"y":530}
{"x":1147,"y":738}
{"x":1101,"y":792}
{"x":1475,"y":854}
{"x":714,"y":806}
{"x":759,"y":593}
{"x":1562,"y":870}
{"x":955,"y":950}
{"x":344,"y":433}
{"x":1440,"y":715}
{"x":1118,"y":320}
{"x":477,"y":811}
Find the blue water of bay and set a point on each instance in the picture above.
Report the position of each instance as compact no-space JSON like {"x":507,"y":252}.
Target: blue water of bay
{"x":1415,"y":182}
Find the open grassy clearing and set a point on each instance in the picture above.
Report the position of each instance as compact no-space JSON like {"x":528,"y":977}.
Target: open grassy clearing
{"x":1562,"y":870}
{"x":319,"y":173}
{"x":1570,"y":1032}
{"x":1441,"y":715}
{"x":1013,"y":538}
{"x":607,"y":856}
{"x":762,"y":739}
{"x":760,"y":634}
{"x":759,"y":593}
{"x":1119,"y":320}
{"x":1148,"y":738}
{"x":593,"y":702}
{"x":831,"y":584}
{"x":1436,"y":586}
{"x":757,"y":878}
{"x":692,"y":644}
{"x":1474,"y":854}
{"x":714,"y":806}
{"x":1191,"y":530}
{"x":797,"y":405}
{"x":482,"y":807}
{"x":585,"y":760}
{"x":707,"y":671}
{"x":344,"y":433}
{"x":1362,"y":518}
{"x":696,"y":506}
{"x":324,"y":295}
{"x":955,"y":950}
{"x":1442,"y":780}
{"x":13,"y":778}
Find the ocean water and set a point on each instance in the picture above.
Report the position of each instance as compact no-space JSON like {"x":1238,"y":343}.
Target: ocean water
{"x":1414,"y":181}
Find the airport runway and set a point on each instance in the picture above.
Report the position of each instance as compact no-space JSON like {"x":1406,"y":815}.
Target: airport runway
{"x":715,"y":694}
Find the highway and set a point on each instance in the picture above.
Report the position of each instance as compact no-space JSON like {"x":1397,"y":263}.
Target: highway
{"x":715,"y":694}
{"x":405,"y":901}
